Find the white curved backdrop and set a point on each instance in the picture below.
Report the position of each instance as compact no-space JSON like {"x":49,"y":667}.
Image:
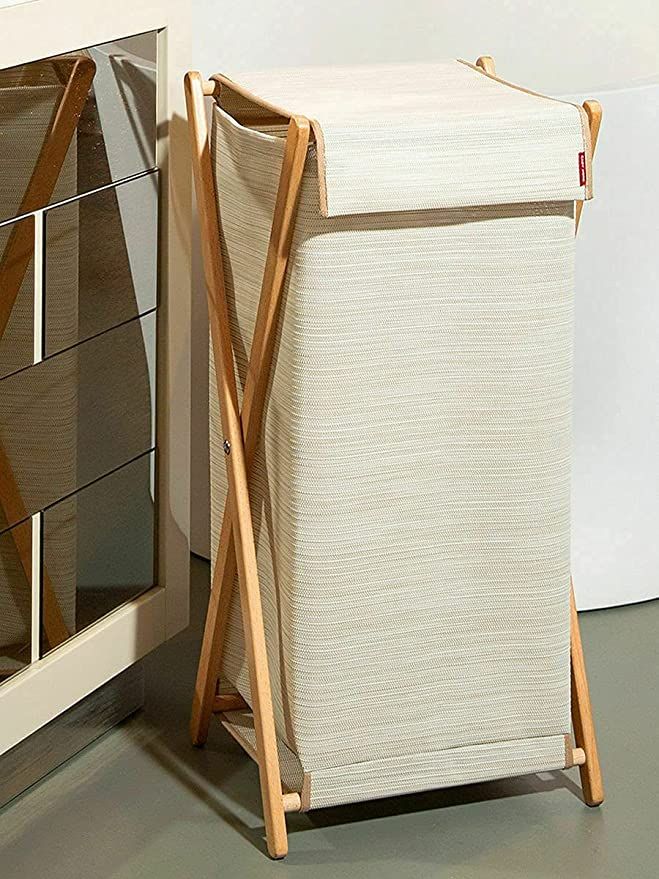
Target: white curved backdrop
{"x":615,"y":536}
{"x":616,"y":550}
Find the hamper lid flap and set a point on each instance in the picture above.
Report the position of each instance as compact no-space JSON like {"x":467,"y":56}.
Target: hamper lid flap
{"x":427,"y":136}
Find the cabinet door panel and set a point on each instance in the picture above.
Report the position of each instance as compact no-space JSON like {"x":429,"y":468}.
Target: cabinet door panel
{"x":15,"y":599}
{"x":74,"y":417}
{"x":16,"y":295}
{"x":94,"y":109}
{"x":99,"y":545}
{"x":114,"y":236}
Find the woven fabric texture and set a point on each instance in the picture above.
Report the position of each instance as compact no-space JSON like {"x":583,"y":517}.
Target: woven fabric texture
{"x":416,"y":772}
{"x":241,"y":726}
{"x":410,"y":494}
{"x":423,"y":136}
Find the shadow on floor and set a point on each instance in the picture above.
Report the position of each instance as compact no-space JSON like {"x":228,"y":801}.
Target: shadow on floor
{"x":142,"y":802}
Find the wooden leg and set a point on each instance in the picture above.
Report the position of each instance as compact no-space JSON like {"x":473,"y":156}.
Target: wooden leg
{"x":253,"y":400}
{"x":582,"y":715}
{"x":236,"y":429}
{"x":211,"y":645}
{"x":257,"y":655}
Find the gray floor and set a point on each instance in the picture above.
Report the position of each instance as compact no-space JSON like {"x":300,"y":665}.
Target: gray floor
{"x":141,"y":802}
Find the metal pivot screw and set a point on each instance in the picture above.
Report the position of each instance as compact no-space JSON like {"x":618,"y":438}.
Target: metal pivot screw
{"x":226,"y":445}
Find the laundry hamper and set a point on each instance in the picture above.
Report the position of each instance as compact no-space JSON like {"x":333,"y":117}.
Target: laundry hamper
{"x":389,"y":255}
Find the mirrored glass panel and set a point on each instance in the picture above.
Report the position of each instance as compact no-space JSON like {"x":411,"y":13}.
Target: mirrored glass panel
{"x":75,"y":416}
{"x":15,"y":597}
{"x":114,"y":237}
{"x":72,"y":123}
{"x":99,"y":546}
{"x":16,"y":295}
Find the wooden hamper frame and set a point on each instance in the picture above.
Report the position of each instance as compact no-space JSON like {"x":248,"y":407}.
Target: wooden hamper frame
{"x":236,"y":549}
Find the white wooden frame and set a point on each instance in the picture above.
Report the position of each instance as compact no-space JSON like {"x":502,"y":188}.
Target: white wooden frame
{"x":51,"y":685}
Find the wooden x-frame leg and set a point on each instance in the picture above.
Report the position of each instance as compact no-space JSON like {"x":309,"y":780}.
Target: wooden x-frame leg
{"x":241,"y":433}
{"x":582,"y":713}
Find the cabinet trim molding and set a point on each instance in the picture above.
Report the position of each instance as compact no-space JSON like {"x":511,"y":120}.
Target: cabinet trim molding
{"x":78,"y":667}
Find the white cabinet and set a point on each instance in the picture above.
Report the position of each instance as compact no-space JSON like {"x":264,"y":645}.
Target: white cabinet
{"x":94,"y":347}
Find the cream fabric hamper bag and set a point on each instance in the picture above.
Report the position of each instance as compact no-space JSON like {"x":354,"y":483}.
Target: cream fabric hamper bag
{"x":410,"y":490}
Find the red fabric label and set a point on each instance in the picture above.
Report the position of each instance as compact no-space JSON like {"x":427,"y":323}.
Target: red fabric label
{"x":582,"y":169}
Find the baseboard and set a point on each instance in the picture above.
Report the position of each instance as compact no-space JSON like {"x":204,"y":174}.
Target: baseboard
{"x":66,"y":735}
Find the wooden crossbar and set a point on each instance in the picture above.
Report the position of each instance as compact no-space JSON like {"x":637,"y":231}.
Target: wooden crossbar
{"x":241,"y":429}
{"x":229,"y":702}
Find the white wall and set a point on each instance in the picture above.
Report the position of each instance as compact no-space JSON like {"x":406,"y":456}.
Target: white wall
{"x":615,"y":551}
{"x":555,"y":47}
